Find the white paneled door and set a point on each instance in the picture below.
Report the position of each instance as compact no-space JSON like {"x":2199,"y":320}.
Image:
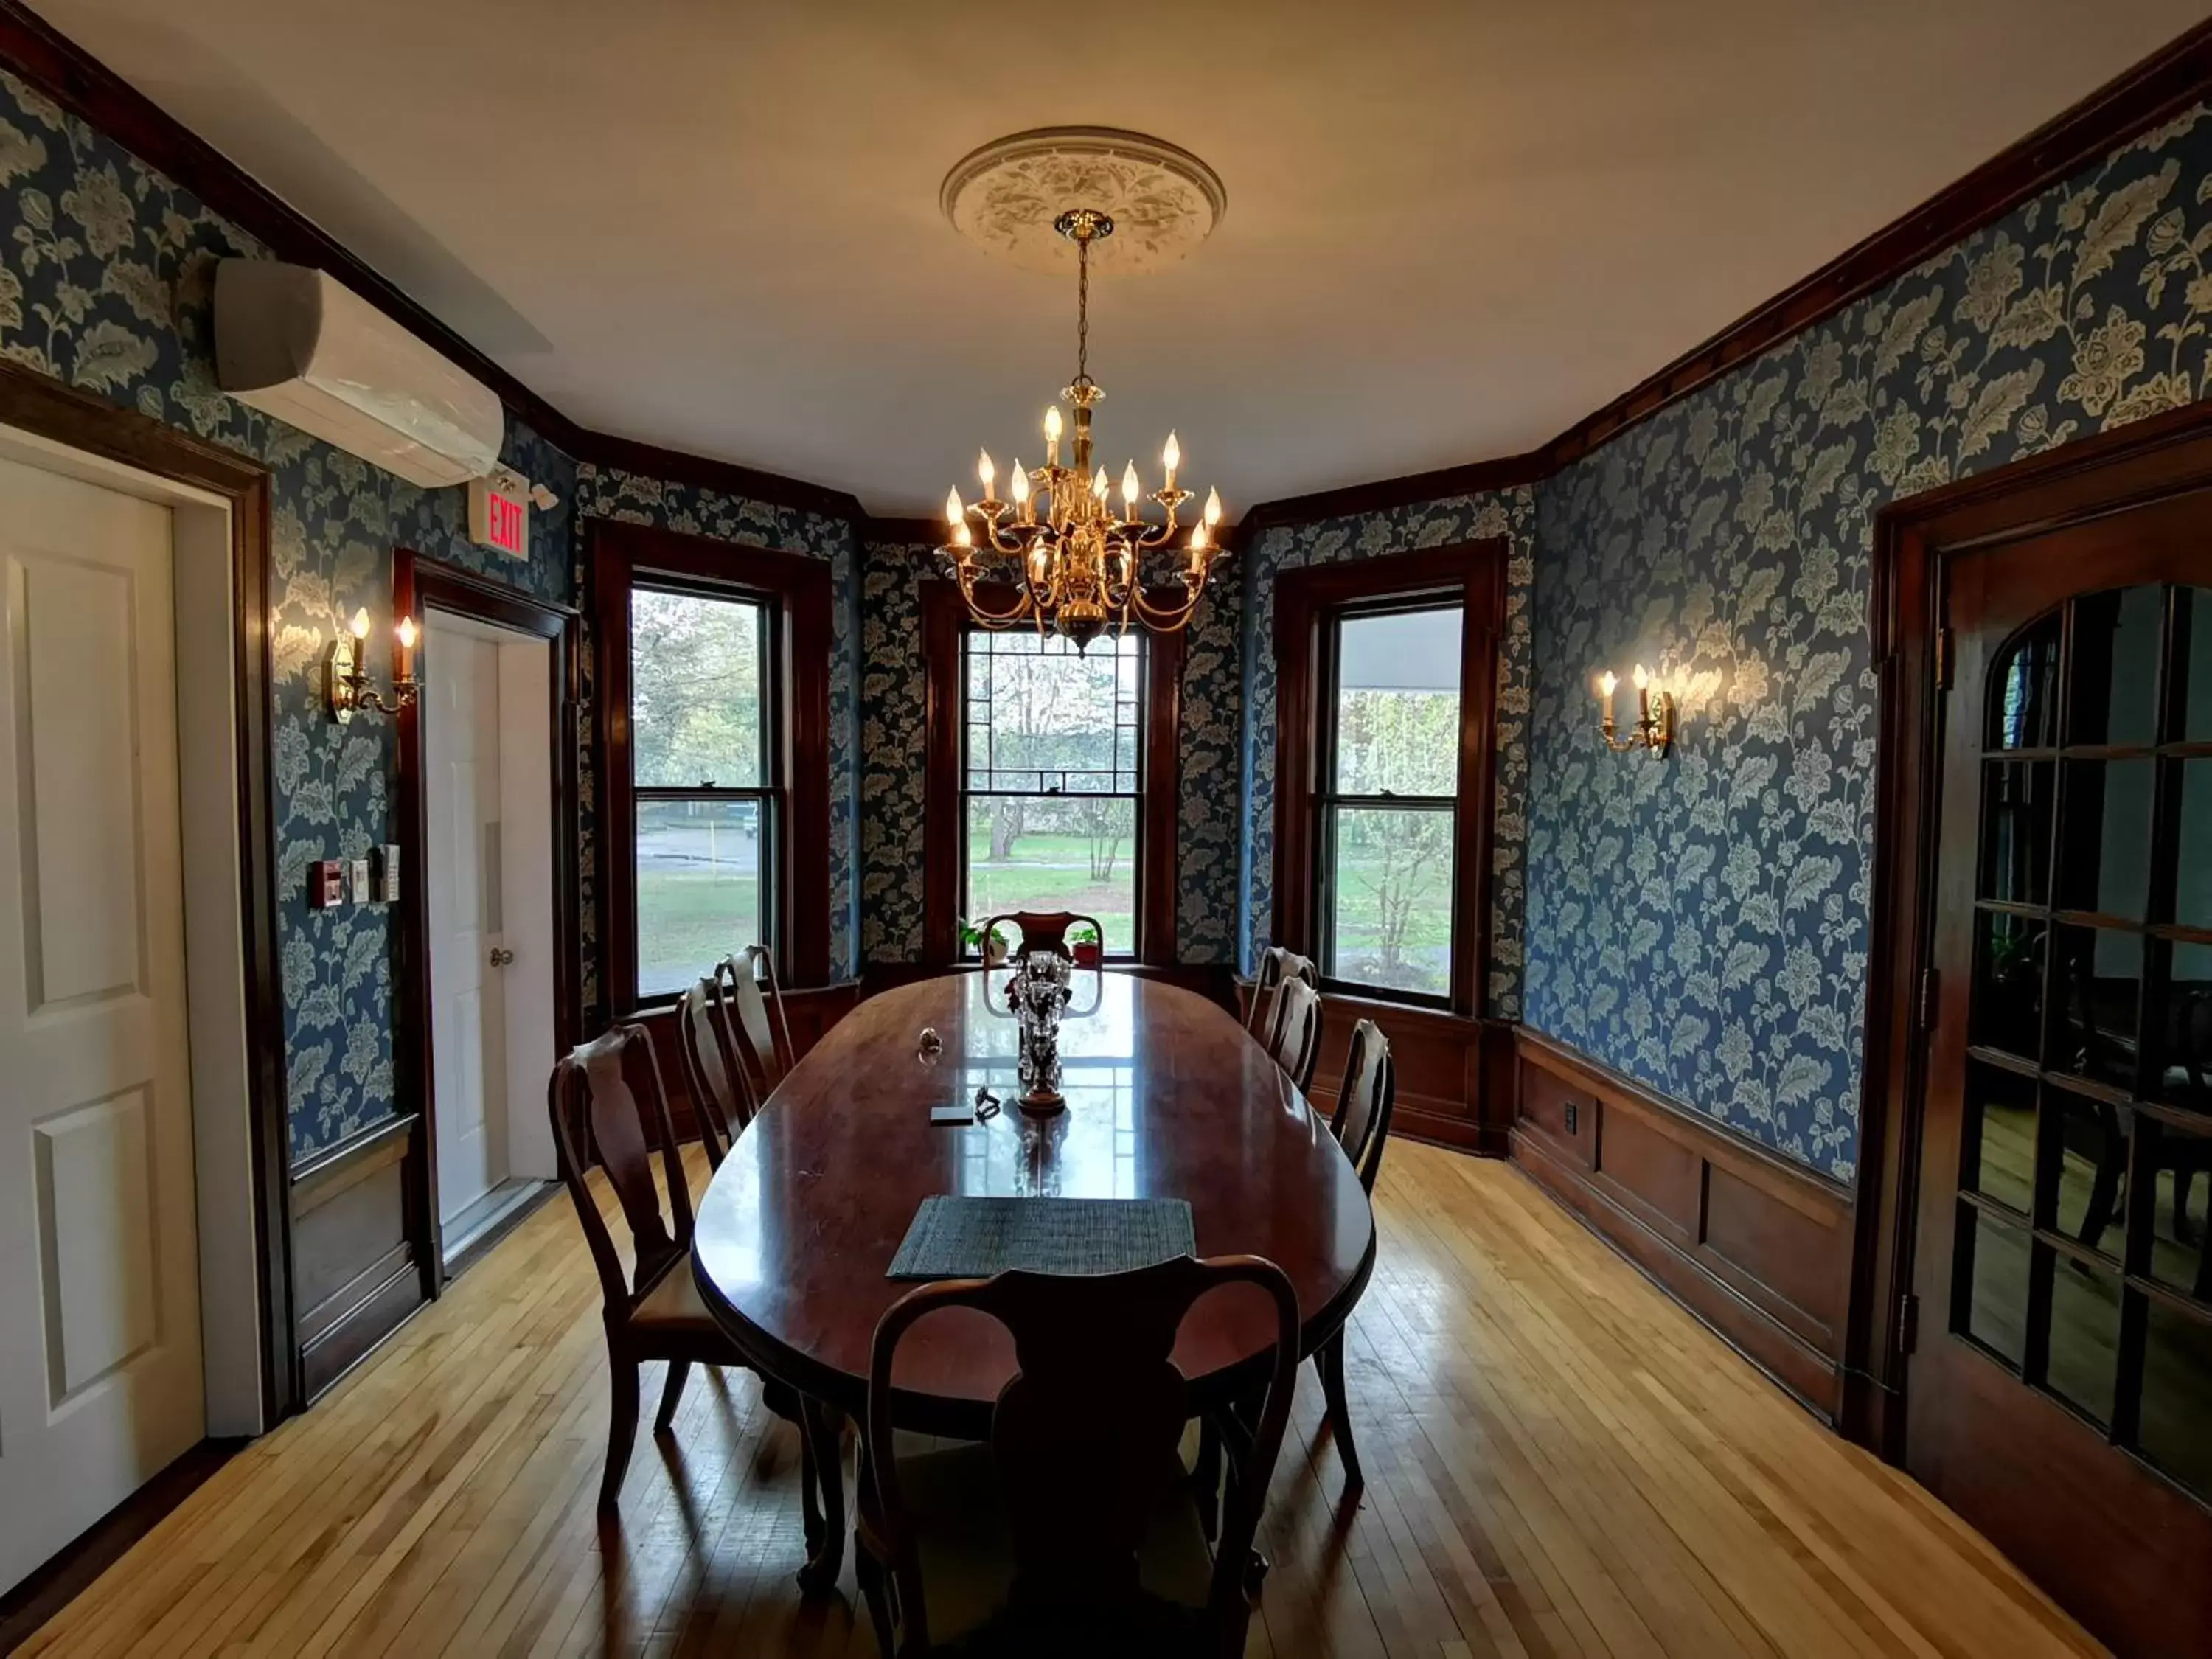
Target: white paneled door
{"x":100,"y":1381}
{"x":468,"y":1025}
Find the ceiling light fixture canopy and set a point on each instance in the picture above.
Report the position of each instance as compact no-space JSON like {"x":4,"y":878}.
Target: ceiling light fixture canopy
{"x":1057,"y":554}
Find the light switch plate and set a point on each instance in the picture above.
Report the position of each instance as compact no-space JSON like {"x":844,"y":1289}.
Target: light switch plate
{"x":387,"y":874}
{"x":326,"y":884}
{"x":359,"y":878}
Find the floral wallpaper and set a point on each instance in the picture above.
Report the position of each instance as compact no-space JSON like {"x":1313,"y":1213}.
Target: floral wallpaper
{"x":1510,"y":514}
{"x":894,"y":732}
{"x":107,"y":273}
{"x":633,"y":498}
{"x":1702,"y":922}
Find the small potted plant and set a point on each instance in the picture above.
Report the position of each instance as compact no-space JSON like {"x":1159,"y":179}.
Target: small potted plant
{"x":992,"y":950}
{"x":1090,"y":951}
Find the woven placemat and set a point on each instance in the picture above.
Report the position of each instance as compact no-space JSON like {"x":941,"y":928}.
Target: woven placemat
{"x":974,"y":1237}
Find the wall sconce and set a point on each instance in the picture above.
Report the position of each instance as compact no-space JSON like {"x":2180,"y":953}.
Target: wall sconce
{"x":1655,"y":715}
{"x":351,"y":689}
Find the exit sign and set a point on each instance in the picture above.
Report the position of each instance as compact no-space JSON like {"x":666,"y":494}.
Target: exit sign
{"x":499,"y":513}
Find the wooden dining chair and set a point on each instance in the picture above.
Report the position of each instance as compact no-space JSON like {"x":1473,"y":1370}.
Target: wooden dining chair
{"x":1076,"y":1530}
{"x":1361,"y":1125}
{"x":1045,"y":930}
{"x":1278,"y":964}
{"x":756,"y":1019}
{"x":711,"y":1075}
{"x":654,"y":1310}
{"x":1295,"y":1041}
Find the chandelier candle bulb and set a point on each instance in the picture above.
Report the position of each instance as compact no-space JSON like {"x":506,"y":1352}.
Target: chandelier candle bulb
{"x":954,"y":514}
{"x":986,"y":472}
{"x":1171,"y":458}
{"x":1212,"y":508}
{"x":1131,"y":488}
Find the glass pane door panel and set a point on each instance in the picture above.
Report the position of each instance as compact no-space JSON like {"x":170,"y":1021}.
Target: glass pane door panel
{"x":2024,"y":689}
{"x":2104,"y":864}
{"x":1996,"y":1284}
{"x":2016,"y":818}
{"x":698,"y":888}
{"x":2085,"y":1336}
{"x":2176,"y":1430}
{"x":2007,"y":1009}
{"x":2090,"y":1161}
{"x":2000,"y":1135}
{"x":2115,"y":666}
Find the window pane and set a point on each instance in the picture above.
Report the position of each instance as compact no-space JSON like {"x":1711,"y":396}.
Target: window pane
{"x":1998,"y":1157}
{"x":1042,"y":716}
{"x":1397,"y":704}
{"x":2176,"y":1431}
{"x":2085,"y":1336}
{"x":1389,"y":893}
{"x":2024,"y":690}
{"x":698,"y":888}
{"x":1055,"y":853}
{"x":695,"y":691}
{"x":2105,"y":863}
{"x":2115,"y":667}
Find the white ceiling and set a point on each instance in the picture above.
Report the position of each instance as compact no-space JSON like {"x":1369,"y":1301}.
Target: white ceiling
{"x":1453,"y":229}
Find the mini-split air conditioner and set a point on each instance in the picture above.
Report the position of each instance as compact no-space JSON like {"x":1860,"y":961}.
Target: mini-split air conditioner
{"x":296,"y":345}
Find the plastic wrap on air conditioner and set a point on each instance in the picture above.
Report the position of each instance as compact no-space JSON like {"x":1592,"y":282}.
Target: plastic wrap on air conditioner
{"x":295,"y":343}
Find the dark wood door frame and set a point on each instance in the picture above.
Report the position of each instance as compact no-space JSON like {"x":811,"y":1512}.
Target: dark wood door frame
{"x":1474,"y":573}
{"x":2165,"y":456}
{"x":32,"y":402}
{"x":420,"y":585}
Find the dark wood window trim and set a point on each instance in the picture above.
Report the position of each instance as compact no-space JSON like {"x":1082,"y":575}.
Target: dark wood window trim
{"x":1473,"y":574}
{"x":420,"y":585}
{"x":800,"y":588}
{"x":944,"y":620}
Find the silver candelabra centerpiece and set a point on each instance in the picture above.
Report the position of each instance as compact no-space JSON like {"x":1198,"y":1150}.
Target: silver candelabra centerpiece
{"x":1038,"y":992}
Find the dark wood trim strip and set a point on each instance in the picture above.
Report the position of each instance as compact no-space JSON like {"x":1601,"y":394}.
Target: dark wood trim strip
{"x":72,"y":1570}
{"x":1472,"y":478}
{"x":420,"y":585}
{"x":1303,"y":598}
{"x":680,"y":467}
{"x":1158,"y":845}
{"x":1757,"y":1247}
{"x":800,"y":586}
{"x":32,"y":402}
{"x":308,"y":1173}
{"x":902,"y":532}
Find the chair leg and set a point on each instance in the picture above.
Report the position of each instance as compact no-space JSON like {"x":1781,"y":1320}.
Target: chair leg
{"x":1207,"y":1478}
{"x":825,"y":1556}
{"x":671,"y":1392}
{"x":1330,"y":1364}
{"x":869,"y":1573}
{"x":621,"y":1430}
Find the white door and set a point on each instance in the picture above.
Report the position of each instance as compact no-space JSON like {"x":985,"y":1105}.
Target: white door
{"x":100,"y":1384}
{"x":461,"y":808}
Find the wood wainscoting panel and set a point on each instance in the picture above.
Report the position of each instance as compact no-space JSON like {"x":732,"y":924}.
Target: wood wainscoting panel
{"x":1447,"y":1064}
{"x":1758,"y":1248}
{"x":358,"y":1261}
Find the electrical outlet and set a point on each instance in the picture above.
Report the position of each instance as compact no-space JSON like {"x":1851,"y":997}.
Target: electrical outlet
{"x":1573,"y":1113}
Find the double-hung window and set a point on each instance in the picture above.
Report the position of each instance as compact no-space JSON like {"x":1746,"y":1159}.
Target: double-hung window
{"x":1386,"y":674}
{"x":712,"y":692}
{"x":1053,"y":778}
{"x":703,"y":778}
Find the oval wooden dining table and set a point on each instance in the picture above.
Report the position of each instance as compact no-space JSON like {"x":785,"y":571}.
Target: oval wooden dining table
{"x":1167,"y":1097}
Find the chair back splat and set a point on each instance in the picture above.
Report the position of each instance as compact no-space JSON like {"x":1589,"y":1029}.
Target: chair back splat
{"x":721,"y":1099}
{"x":594,"y":1105}
{"x":1295,"y":1040}
{"x":1084,"y":1440}
{"x":1277,"y":966}
{"x":755,"y":1004}
{"x":1362,"y":1121}
{"x":1045,"y":930}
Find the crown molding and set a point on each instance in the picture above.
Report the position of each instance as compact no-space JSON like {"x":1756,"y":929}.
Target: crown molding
{"x":910,"y":532}
{"x":57,"y":66}
{"x":2159,"y":87}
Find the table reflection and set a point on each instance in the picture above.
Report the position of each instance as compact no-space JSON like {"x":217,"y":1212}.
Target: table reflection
{"x":1091,"y":1147}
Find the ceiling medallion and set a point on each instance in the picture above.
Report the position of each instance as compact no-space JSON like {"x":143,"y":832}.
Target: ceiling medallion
{"x":1005,"y":196}
{"x":1057,"y":555}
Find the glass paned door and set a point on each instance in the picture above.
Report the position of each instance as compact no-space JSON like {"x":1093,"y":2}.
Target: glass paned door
{"x":2063,"y":1273}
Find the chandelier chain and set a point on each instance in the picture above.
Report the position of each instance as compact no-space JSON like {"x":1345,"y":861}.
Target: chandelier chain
{"x":1083,"y":308}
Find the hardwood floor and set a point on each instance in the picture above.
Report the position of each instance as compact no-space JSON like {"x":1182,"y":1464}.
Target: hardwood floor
{"x":1559,"y":1462}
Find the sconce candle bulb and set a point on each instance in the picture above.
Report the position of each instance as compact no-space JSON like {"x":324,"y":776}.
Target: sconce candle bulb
{"x":1655,"y":713}
{"x":350,"y":689}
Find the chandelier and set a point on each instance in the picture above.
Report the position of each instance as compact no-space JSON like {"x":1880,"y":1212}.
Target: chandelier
{"x":1058,"y":554}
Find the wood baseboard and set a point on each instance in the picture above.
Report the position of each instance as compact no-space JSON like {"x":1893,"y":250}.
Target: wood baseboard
{"x":358,"y":1272}
{"x":1757,"y":1248}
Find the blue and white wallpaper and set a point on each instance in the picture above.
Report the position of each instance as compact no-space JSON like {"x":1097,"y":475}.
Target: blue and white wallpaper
{"x":107,"y":274}
{"x":1701,"y":923}
{"x":1510,"y":514}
